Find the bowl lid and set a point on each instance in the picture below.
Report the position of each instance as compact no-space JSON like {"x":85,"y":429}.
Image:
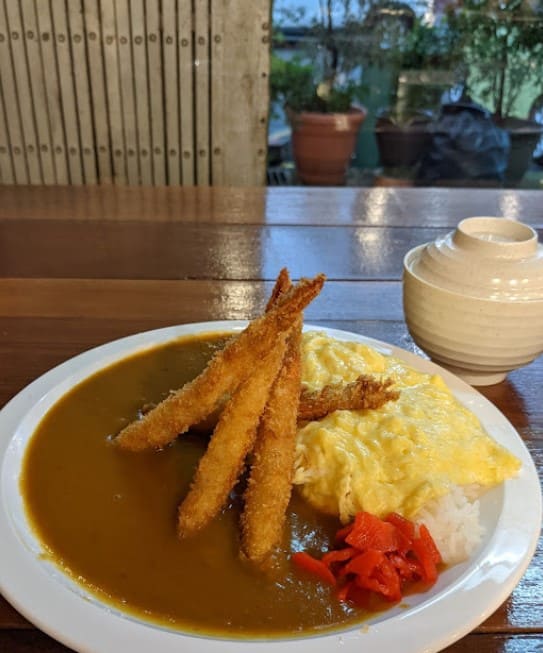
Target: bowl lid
{"x":484,"y":257}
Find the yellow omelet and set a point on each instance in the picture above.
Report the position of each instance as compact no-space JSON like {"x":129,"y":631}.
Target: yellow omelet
{"x":398,"y":457}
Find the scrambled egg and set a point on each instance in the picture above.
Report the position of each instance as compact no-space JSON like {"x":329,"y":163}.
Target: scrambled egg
{"x":396,"y":458}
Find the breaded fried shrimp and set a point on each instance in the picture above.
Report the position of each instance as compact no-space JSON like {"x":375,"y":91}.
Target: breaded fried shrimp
{"x":282,"y":285}
{"x":365,"y":392}
{"x":233,"y":438}
{"x":224,"y":373}
{"x":272,"y":462}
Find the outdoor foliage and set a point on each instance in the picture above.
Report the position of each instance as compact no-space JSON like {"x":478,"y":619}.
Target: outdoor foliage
{"x":503,"y":47}
{"x":428,"y":46}
{"x":327,"y":74}
{"x":348,"y":37}
{"x":293,"y":84}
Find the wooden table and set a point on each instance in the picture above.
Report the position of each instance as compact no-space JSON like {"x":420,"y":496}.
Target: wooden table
{"x":82,"y":266}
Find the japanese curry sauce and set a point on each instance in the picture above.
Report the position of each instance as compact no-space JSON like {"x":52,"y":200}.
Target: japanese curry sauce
{"x":108,"y":517}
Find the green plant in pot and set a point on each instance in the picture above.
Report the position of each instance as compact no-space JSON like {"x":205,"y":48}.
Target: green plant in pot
{"x":503,"y":47}
{"x":321,"y":97}
{"x":402,"y":140}
{"x":427,"y":60}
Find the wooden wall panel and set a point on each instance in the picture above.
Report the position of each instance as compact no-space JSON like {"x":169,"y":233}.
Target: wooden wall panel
{"x":23,"y":91}
{"x":128,"y":97}
{"x":141,"y":91}
{"x":81,"y":76}
{"x":70,"y":111}
{"x":12,"y":114}
{"x":6,"y":164}
{"x":113,"y":91}
{"x":171,"y":95}
{"x":186,"y":84}
{"x":37,"y":89}
{"x":202,"y":88}
{"x":53,"y":101}
{"x":240,"y":87}
{"x":137,"y":92}
{"x":156,"y":89}
{"x":94,"y":41}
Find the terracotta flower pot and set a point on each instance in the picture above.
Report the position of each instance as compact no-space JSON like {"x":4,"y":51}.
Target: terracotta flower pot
{"x":323,"y":143}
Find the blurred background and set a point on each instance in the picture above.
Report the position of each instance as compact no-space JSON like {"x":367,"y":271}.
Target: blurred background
{"x":453,"y":88}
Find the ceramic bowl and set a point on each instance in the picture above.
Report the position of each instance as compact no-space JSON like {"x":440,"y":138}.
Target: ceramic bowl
{"x":473,"y":299}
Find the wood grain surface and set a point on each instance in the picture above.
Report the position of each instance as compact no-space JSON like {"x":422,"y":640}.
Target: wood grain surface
{"x":82,"y":266}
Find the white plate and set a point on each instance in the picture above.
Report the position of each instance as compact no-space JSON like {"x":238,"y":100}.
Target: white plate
{"x":462,"y":598}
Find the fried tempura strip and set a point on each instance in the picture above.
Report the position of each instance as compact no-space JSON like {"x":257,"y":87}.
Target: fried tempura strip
{"x":282,"y":285}
{"x":365,"y":392}
{"x":270,"y":482}
{"x":232,"y":440}
{"x":226,"y":370}
{"x":340,"y":396}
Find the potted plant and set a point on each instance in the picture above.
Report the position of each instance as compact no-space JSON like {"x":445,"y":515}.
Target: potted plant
{"x":426,"y":60}
{"x":321,"y":97}
{"x":503,"y":47}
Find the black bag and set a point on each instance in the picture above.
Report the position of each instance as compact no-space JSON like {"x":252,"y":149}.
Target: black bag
{"x":466,"y":146}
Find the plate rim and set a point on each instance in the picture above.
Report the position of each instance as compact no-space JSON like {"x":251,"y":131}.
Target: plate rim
{"x":104,"y":628}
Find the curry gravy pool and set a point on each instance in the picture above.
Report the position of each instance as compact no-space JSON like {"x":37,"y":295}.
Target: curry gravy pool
{"x":108,"y":517}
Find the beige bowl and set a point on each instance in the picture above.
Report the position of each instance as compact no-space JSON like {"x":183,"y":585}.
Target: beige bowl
{"x":473,"y":300}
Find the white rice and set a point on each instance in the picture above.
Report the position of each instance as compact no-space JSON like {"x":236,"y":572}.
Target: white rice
{"x":454,"y":523}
